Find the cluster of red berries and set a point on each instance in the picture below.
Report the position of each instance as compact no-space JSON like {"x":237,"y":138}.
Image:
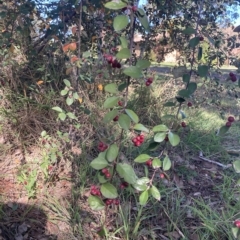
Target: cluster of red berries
{"x":112,"y":201}
{"x":189,"y":104}
{"x":232,"y":77}
{"x":149,"y":162}
{"x":120,"y":103}
{"x":123,"y":185}
{"x":237,"y":223}
{"x":116,"y":119}
{"x":133,"y":8}
{"x":183,"y":124}
{"x":149,"y":81}
{"x":106,"y":173}
{"x":95,"y":191}
{"x":102,"y":147}
{"x":112,"y":61}
{"x":230,"y":121}
{"x":138,"y":140}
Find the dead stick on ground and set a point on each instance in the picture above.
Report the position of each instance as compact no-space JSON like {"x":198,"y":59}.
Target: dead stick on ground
{"x":175,"y":226}
{"x":214,"y":162}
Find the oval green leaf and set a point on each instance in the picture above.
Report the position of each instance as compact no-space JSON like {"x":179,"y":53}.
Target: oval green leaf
{"x":166,"y":164}
{"x":110,"y":116}
{"x":111,"y":88}
{"x":141,"y":184}
{"x":236,"y":165}
{"x":126,"y":172}
{"x":133,"y":72}
{"x":99,"y":163}
{"x":159,"y":137}
{"x":123,"y":53}
{"x":132,"y":115}
{"x":143,"y":19}
{"x":110,"y":102}
{"x":203,"y":70}
{"x":67,"y":83}
{"x":140,"y":127}
{"x":112,"y":152}
{"x":124,"y":42}
{"x":192,"y":87}
{"x":124,"y":121}
{"x":173,"y":139}
{"x":194,"y":42}
{"x":115,"y":5}
{"x":120,"y":22}
{"x":143,"y":63}
{"x":155,"y":193}
{"x":156,"y":163}
{"x":142,"y":158}
{"x":69,"y":101}
{"x":58,"y":109}
{"x":62,"y":116}
{"x":96,"y":203}
{"x":160,"y":128}
{"x":108,"y":191}
{"x":143,"y":198}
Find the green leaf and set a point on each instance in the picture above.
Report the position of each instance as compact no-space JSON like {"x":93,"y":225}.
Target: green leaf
{"x":141,"y":184}
{"x":223,"y":130}
{"x":120,"y":22}
{"x":194,"y":42}
{"x":62,"y":116}
{"x":101,"y":178}
{"x":126,"y":172}
{"x":96,"y":203}
{"x":192,"y":87}
{"x":132,"y":115}
{"x":186,"y":77}
{"x":140,"y":127}
{"x":169,"y":104}
{"x":123,"y":53}
{"x":159,"y":137}
{"x":184,"y":93}
{"x":69,"y":101}
{"x":75,"y":96}
{"x":143,"y":63}
{"x":156,"y":163}
{"x":143,"y":19}
{"x":124,"y":121}
{"x":110,"y":102}
{"x":189,"y":31}
{"x":112,"y":152}
{"x":133,"y":72}
{"x":203,"y":70}
{"x":142,"y":158}
{"x":64,"y":92}
{"x":166,"y":164}
{"x":235,"y":232}
{"x":155,"y":193}
{"x":180,"y":99}
{"x":124,"y":42}
{"x":111,"y":88}
{"x":58,"y":109}
{"x":143,"y":198}
{"x":109,"y":191}
{"x":99,"y":163}
{"x":115,"y":5}
{"x":153,"y":146}
{"x":160,"y":128}
{"x":173,"y":139}
{"x":67,"y":83}
{"x":71,"y":115}
{"x":236,"y":165}
{"x":200,"y":52}
{"x":110,"y":116}
{"x":122,"y":86}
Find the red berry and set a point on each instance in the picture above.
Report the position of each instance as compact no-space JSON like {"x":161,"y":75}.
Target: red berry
{"x":166,"y":139}
{"x":228,"y":124}
{"x":231,"y":119}
{"x":109,"y":59}
{"x":150,"y":80}
{"x":107,"y":175}
{"x":101,"y":144}
{"x":233,"y":77}
{"x":116,"y":119}
{"x":134,"y":8}
{"x":183,"y":124}
{"x":138,"y":138}
{"x":149,"y":162}
{"x":115,"y":63}
{"x":134,"y":140}
{"x":162,"y":176}
{"x":201,"y":38}
{"x":118,"y":65}
{"x":137,"y":143}
{"x":125,"y":184}
{"x":122,"y":186}
{"x":104,"y":170}
{"x":147,"y":83}
{"x":108,"y":202}
{"x":189,"y":104}
{"x":120,"y":103}
{"x":116,"y":202}
{"x":237,"y":223}
{"x":231,"y":74}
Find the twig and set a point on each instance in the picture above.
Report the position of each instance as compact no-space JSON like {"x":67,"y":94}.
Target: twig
{"x":175,"y":226}
{"x":217,"y":163}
